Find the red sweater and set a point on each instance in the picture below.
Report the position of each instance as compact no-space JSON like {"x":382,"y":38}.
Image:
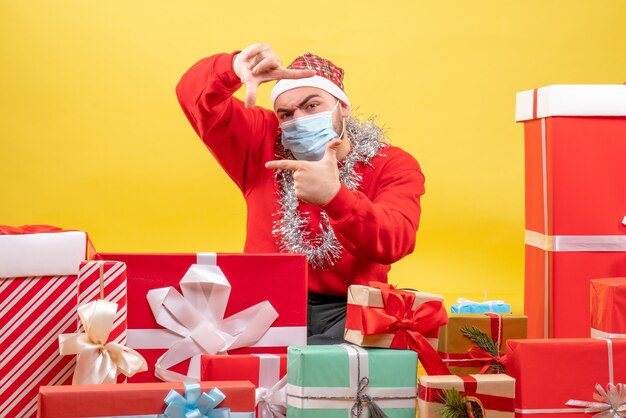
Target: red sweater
{"x":376,"y":224}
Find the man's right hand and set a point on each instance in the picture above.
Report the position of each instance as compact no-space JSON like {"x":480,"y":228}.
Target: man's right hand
{"x":258,"y":64}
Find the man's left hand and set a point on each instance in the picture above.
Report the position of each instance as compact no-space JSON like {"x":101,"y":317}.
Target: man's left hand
{"x":317,"y":182}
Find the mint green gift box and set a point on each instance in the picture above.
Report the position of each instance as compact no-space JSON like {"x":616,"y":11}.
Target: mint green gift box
{"x":323,"y":381}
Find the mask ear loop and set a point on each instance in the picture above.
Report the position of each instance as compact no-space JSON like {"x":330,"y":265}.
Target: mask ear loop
{"x":343,"y":123}
{"x":343,"y":130}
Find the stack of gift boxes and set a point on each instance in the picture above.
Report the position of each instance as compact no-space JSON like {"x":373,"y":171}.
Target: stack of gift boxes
{"x":87,"y":334}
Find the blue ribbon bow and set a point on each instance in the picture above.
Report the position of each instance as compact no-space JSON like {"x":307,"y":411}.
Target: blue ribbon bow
{"x":195,"y":404}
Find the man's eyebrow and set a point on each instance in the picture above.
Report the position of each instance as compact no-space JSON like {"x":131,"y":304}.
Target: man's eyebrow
{"x":302,"y":103}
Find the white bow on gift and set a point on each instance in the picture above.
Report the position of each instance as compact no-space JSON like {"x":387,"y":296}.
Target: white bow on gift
{"x":464,"y":301}
{"x":611,"y":403}
{"x":272,"y":402}
{"x":197,"y":317}
{"x":99,"y":361}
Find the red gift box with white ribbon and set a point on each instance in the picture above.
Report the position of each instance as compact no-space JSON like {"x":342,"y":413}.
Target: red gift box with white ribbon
{"x":184,"y":305}
{"x":38,"y":284}
{"x":562,"y":377}
{"x":266,"y":372}
{"x":575,"y":172}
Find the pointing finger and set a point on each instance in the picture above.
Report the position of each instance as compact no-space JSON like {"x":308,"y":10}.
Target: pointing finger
{"x":283,"y":165}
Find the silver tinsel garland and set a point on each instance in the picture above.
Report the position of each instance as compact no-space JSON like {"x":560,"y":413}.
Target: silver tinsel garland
{"x":323,"y":249}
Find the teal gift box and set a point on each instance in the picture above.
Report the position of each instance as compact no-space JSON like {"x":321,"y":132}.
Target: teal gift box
{"x":467,"y":306}
{"x":332,"y":381}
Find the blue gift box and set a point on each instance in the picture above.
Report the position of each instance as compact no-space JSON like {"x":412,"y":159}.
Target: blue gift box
{"x":471,"y":307}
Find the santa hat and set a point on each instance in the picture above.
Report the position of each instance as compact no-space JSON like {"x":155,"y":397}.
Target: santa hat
{"x":328,"y":77}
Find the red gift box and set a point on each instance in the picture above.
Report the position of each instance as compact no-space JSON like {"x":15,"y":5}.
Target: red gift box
{"x":575,"y":142}
{"x":136,"y":399}
{"x":608,"y":305}
{"x":277,"y":278}
{"x":35,"y":308}
{"x":549,"y":373}
{"x":264,"y":371}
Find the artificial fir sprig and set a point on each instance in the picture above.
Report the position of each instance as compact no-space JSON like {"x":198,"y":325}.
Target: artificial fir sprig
{"x":453,"y":404}
{"x":456,"y":405}
{"x":482,"y":340}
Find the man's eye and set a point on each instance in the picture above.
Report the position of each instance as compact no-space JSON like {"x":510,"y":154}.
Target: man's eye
{"x":312,"y":105}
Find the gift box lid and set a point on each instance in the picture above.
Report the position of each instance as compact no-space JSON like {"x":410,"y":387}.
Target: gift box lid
{"x":571,"y":100}
{"x":42,"y":254}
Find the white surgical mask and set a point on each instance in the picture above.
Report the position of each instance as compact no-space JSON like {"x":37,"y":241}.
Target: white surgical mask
{"x":307,"y":136}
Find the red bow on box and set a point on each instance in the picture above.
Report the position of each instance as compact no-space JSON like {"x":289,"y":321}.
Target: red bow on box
{"x":408,"y":325}
{"x":478,"y":354}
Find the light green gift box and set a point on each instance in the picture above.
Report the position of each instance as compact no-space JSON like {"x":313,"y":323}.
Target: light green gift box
{"x":323,"y":381}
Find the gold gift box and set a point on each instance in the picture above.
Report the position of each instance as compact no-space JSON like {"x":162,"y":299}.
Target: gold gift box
{"x":454,"y":346}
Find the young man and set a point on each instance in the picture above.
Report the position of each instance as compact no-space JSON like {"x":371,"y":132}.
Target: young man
{"x":315,"y":180}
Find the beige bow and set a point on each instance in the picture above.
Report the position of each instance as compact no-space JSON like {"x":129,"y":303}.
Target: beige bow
{"x":99,"y":361}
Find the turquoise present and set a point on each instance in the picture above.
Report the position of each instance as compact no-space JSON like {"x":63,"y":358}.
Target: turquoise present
{"x":472,"y":307}
{"x":344,"y":381}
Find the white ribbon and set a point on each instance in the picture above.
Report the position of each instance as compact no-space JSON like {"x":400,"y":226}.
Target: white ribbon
{"x":139,"y":338}
{"x":611,"y":403}
{"x":197,"y":318}
{"x":272,"y":402}
{"x":596,"y":333}
{"x":574,"y":243}
{"x":271,"y":397}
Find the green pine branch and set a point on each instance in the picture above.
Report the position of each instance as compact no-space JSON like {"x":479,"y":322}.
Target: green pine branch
{"x":453,"y":404}
{"x":482,"y":340}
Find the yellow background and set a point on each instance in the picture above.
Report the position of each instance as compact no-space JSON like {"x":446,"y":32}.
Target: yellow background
{"x":92,"y":136}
